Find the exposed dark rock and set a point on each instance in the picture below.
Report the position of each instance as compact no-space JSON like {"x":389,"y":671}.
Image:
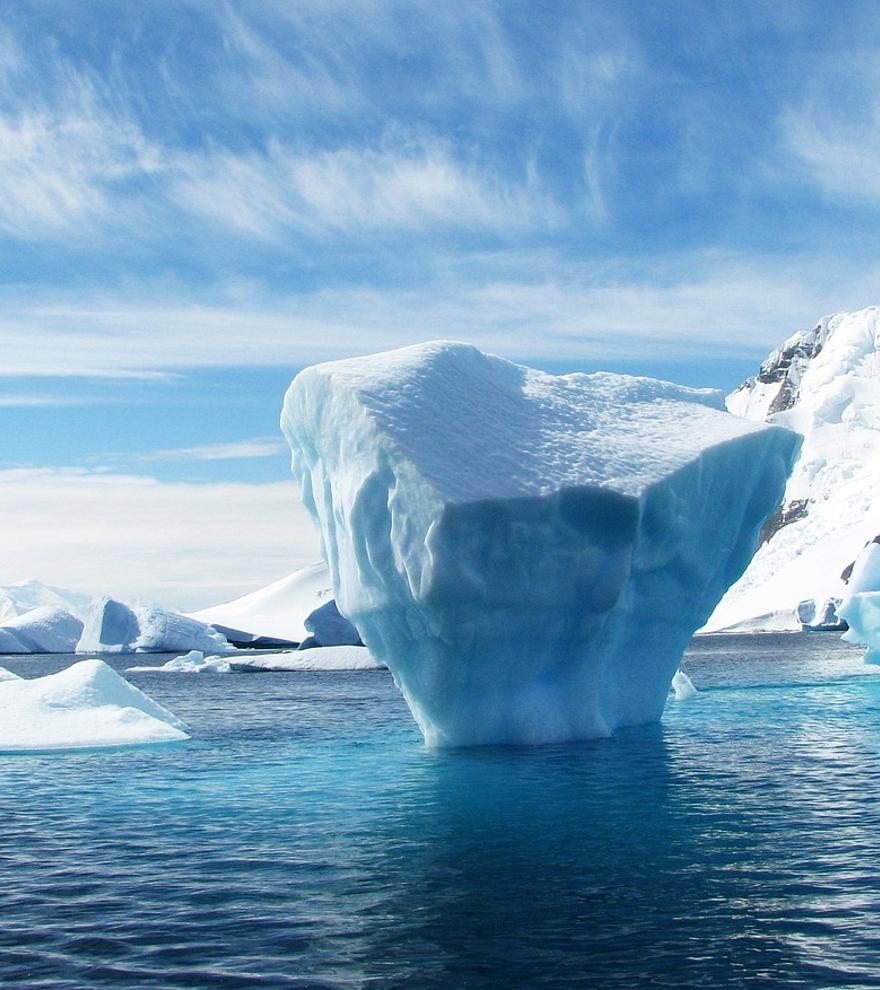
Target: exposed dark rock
{"x":785,"y":515}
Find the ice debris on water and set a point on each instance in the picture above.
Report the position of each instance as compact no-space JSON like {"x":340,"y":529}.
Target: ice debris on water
{"x":87,"y":705}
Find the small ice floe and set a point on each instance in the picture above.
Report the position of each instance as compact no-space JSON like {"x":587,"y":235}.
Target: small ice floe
{"x":86,"y":706}
{"x":682,"y":686}
{"x":320,"y":658}
{"x":194,"y":662}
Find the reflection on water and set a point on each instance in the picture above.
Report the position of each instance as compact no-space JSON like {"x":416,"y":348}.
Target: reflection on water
{"x":306,"y":838}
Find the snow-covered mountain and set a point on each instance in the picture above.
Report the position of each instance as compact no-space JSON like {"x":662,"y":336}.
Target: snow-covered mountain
{"x":824,"y":383}
{"x":21,"y":597}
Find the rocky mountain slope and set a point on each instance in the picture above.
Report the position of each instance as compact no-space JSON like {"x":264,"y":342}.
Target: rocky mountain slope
{"x":824,"y":383}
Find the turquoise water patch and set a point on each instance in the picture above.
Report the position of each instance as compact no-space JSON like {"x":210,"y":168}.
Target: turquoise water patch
{"x":305,"y":837}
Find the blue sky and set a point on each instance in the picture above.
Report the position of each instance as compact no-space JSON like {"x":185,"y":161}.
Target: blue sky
{"x":199,"y":197}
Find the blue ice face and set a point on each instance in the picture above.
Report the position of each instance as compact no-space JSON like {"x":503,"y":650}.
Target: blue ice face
{"x":529,"y":555}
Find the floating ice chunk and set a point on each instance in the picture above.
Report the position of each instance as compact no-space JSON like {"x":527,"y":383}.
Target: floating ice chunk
{"x":87,"y":705}
{"x":862,"y":613}
{"x":327,"y":627}
{"x":45,"y":630}
{"x":321,"y":658}
{"x":528,"y":554}
{"x":194,"y":662}
{"x":113,"y":627}
{"x":861,"y":607}
{"x":683,"y":687}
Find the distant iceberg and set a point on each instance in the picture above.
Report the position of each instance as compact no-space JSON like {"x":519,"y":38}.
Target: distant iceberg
{"x":87,"y":705}
{"x":114,"y":627}
{"x":287,"y":611}
{"x":528,"y":554}
{"x":42,"y":630}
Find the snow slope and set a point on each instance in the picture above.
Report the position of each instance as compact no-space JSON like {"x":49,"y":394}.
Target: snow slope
{"x":297,"y":609}
{"x":87,"y":705}
{"x":528,"y":554}
{"x":826,"y":385}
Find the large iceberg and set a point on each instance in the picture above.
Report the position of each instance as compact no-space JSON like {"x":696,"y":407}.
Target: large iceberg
{"x":528,"y":554}
{"x":114,"y":627}
{"x":85,"y":706}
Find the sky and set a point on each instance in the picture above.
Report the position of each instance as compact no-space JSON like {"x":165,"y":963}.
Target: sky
{"x":200,"y":197}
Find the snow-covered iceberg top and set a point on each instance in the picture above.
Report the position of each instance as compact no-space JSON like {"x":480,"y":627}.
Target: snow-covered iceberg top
{"x":528,"y":554}
{"x":87,"y":705}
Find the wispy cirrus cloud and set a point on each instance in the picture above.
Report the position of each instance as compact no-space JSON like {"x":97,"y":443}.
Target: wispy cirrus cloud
{"x":232,"y":451}
{"x":719,"y":305}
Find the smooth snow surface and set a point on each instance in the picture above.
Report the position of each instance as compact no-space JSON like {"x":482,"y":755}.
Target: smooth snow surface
{"x":279,"y":610}
{"x":85,"y":706}
{"x":44,"y":630}
{"x":7,"y":675}
{"x":323,"y":658}
{"x":113,"y":627}
{"x":528,"y":554}
{"x":830,"y":393}
{"x":194,"y":662}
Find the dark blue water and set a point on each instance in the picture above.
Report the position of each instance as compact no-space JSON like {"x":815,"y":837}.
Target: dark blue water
{"x":306,"y":838}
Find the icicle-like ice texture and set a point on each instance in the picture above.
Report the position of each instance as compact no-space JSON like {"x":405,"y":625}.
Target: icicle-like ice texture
{"x":528,"y":554}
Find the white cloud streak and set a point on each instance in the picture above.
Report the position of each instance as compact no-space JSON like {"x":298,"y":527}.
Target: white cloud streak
{"x":712,"y":306}
{"x":184,"y":545}
{"x":236,"y":450}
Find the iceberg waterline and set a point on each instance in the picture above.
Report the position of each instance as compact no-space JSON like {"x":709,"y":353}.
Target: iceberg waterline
{"x":528,"y":554}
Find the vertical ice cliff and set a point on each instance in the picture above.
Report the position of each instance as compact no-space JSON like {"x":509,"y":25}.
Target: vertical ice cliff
{"x":824,"y":384}
{"x":528,"y":554}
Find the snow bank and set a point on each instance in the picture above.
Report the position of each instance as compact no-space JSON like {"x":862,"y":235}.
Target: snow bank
{"x":113,"y":627}
{"x":825,"y":384}
{"x":194,"y":662}
{"x":44,"y":630}
{"x":323,"y":658}
{"x":528,"y":554}
{"x":85,"y":706}
{"x":7,"y":675}
{"x":297,"y":610}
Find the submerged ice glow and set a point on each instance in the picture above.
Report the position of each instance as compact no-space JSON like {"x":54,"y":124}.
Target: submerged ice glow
{"x":528,"y":554}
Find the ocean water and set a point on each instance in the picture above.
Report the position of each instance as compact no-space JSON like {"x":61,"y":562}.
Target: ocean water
{"x":306,"y":838}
